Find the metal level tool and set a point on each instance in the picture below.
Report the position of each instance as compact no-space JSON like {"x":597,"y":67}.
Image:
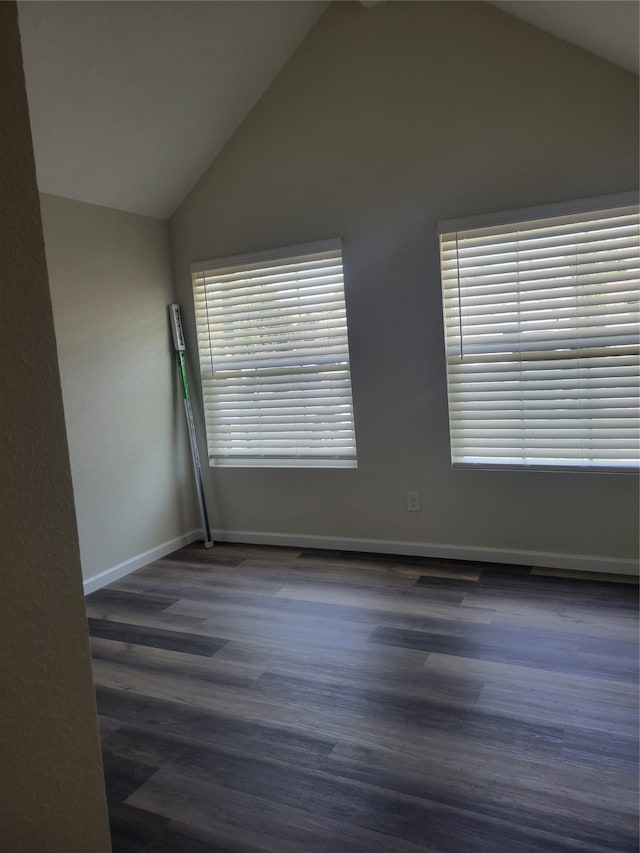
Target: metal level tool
{"x":180,"y":348}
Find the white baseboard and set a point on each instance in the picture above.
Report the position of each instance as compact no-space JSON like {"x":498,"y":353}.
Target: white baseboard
{"x":116,"y":572}
{"x":573,"y":562}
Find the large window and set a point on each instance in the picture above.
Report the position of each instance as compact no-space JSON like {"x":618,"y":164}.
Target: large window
{"x":274,"y":358}
{"x":542,"y":336}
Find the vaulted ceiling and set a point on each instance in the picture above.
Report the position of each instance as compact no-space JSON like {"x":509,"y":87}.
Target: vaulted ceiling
{"x":609,"y":28}
{"x":131,"y":101}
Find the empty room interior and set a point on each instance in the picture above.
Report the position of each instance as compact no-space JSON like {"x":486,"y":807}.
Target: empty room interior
{"x":345,"y":560}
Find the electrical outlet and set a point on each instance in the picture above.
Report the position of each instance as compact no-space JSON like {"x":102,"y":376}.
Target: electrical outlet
{"x":413,"y":501}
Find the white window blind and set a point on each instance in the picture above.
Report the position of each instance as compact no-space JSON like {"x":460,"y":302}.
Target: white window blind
{"x":542,"y":338}
{"x":274,"y":358}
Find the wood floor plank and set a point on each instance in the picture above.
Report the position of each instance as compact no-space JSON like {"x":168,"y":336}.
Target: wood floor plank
{"x":559,"y":703}
{"x":288,"y":829}
{"x":608,"y":699}
{"x":362,"y":821}
{"x":224,"y":551}
{"x":194,"y":644}
{"x":523,"y":651}
{"x":179,"y":837}
{"x":281,"y":700}
{"x":123,"y":775}
{"x":396,"y":563}
{"x":147,"y":660}
{"x":114,"y":599}
{"x":210,"y":726}
{"x":606,"y":577}
{"x":533,"y":779}
{"x":166,"y":621}
{"x":132,"y":829}
{"x":202,"y":577}
{"x":412,"y":601}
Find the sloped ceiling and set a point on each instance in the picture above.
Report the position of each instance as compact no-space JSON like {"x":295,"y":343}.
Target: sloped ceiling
{"x":609,"y":29}
{"x":131,"y":101}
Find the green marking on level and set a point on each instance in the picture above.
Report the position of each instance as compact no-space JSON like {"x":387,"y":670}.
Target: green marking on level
{"x":182,"y":367}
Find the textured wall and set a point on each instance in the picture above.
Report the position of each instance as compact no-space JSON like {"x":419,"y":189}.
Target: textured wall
{"x":385,"y":121}
{"x":51,"y":785}
{"x":110,"y":275}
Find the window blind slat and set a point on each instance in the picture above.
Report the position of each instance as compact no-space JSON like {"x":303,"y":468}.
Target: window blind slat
{"x":262,"y":297}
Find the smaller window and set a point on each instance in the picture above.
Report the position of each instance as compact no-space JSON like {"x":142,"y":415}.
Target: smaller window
{"x":274,"y":358}
{"x":542,"y":336}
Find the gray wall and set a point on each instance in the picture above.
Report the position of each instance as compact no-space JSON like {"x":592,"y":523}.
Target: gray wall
{"x":385,"y":121}
{"x":51,"y":784}
{"x":110,"y":275}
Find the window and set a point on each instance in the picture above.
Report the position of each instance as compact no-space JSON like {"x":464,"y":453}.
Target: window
{"x":542,"y":336}
{"x":274,"y":358}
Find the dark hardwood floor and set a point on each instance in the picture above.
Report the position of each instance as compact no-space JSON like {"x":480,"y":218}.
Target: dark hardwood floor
{"x":259,"y":699}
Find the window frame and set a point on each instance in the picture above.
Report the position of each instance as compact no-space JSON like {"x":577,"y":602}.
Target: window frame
{"x":312,"y":367}
{"x":499,"y":220}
